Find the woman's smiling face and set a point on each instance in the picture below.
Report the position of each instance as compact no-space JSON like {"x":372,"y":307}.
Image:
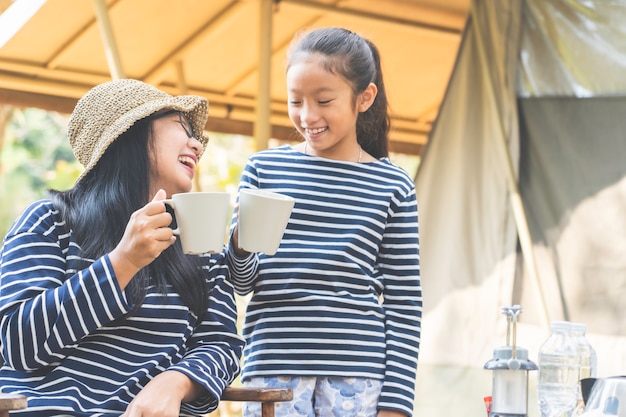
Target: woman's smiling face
{"x":175,"y":153}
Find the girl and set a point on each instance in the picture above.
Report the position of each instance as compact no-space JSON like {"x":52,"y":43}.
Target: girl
{"x":101,"y":312}
{"x":335,"y":314}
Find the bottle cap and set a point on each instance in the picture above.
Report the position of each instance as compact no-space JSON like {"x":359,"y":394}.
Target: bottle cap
{"x":562,"y":326}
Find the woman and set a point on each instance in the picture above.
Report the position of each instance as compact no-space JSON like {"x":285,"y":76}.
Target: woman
{"x":101,"y":312}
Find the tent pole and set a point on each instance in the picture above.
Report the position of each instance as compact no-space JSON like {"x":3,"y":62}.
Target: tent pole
{"x":262,"y":127}
{"x":516,"y":200}
{"x":110,"y":47}
{"x":180,"y":77}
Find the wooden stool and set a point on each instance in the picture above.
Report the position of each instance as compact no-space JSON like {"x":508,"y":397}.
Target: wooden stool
{"x":266,"y":396}
{"x":9,"y":402}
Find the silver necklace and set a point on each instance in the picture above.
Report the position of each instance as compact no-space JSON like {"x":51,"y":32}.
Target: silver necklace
{"x":306,"y":145}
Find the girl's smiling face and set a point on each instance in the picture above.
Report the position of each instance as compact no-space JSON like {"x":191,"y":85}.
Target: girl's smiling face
{"x":175,"y":153}
{"x":323,"y":108}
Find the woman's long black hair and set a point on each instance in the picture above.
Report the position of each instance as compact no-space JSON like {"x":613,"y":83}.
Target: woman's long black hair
{"x":357,"y":60}
{"x":98,"y":208}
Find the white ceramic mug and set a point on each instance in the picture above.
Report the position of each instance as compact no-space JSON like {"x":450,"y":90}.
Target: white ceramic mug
{"x":263,"y":217}
{"x":202,"y":220}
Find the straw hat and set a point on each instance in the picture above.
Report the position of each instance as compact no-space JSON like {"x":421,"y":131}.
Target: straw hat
{"x":111,"y":108}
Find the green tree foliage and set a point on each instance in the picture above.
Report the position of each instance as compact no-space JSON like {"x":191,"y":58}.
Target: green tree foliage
{"x":35,"y":157}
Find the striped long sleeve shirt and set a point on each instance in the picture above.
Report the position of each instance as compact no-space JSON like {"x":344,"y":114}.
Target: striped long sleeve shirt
{"x":69,"y":343}
{"x":342,"y":296}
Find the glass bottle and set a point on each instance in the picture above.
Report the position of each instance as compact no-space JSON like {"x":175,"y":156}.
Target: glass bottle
{"x":559,"y":370}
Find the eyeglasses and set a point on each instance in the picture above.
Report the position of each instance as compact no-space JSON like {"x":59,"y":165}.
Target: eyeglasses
{"x":182,"y":119}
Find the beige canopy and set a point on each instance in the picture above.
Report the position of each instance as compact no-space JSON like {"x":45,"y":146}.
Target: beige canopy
{"x":230,"y":51}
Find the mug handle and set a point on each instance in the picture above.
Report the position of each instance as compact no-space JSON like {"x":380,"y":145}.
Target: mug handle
{"x":171,"y":203}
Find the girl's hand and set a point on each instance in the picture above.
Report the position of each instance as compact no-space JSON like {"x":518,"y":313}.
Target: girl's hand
{"x":242,"y":253}
{"x":147,"y":235}
{"x":162,"y":396}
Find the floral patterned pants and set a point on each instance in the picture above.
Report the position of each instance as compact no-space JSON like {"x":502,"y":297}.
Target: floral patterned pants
{"x":320,"y":397}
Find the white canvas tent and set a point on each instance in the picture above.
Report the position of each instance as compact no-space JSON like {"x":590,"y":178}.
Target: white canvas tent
{"x":522,"y":193}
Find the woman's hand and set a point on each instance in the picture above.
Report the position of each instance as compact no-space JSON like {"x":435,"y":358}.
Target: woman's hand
{"x":162,"y":396}
{"x":147,"y":235}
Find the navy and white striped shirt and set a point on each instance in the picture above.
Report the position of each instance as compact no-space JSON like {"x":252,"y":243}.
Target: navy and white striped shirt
{"x":342,"y":296}
{"x":68,"y":343}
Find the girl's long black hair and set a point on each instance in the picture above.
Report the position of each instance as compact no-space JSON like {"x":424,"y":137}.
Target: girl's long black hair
{"x":98,"y":208}
{"x":357,"y":60}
